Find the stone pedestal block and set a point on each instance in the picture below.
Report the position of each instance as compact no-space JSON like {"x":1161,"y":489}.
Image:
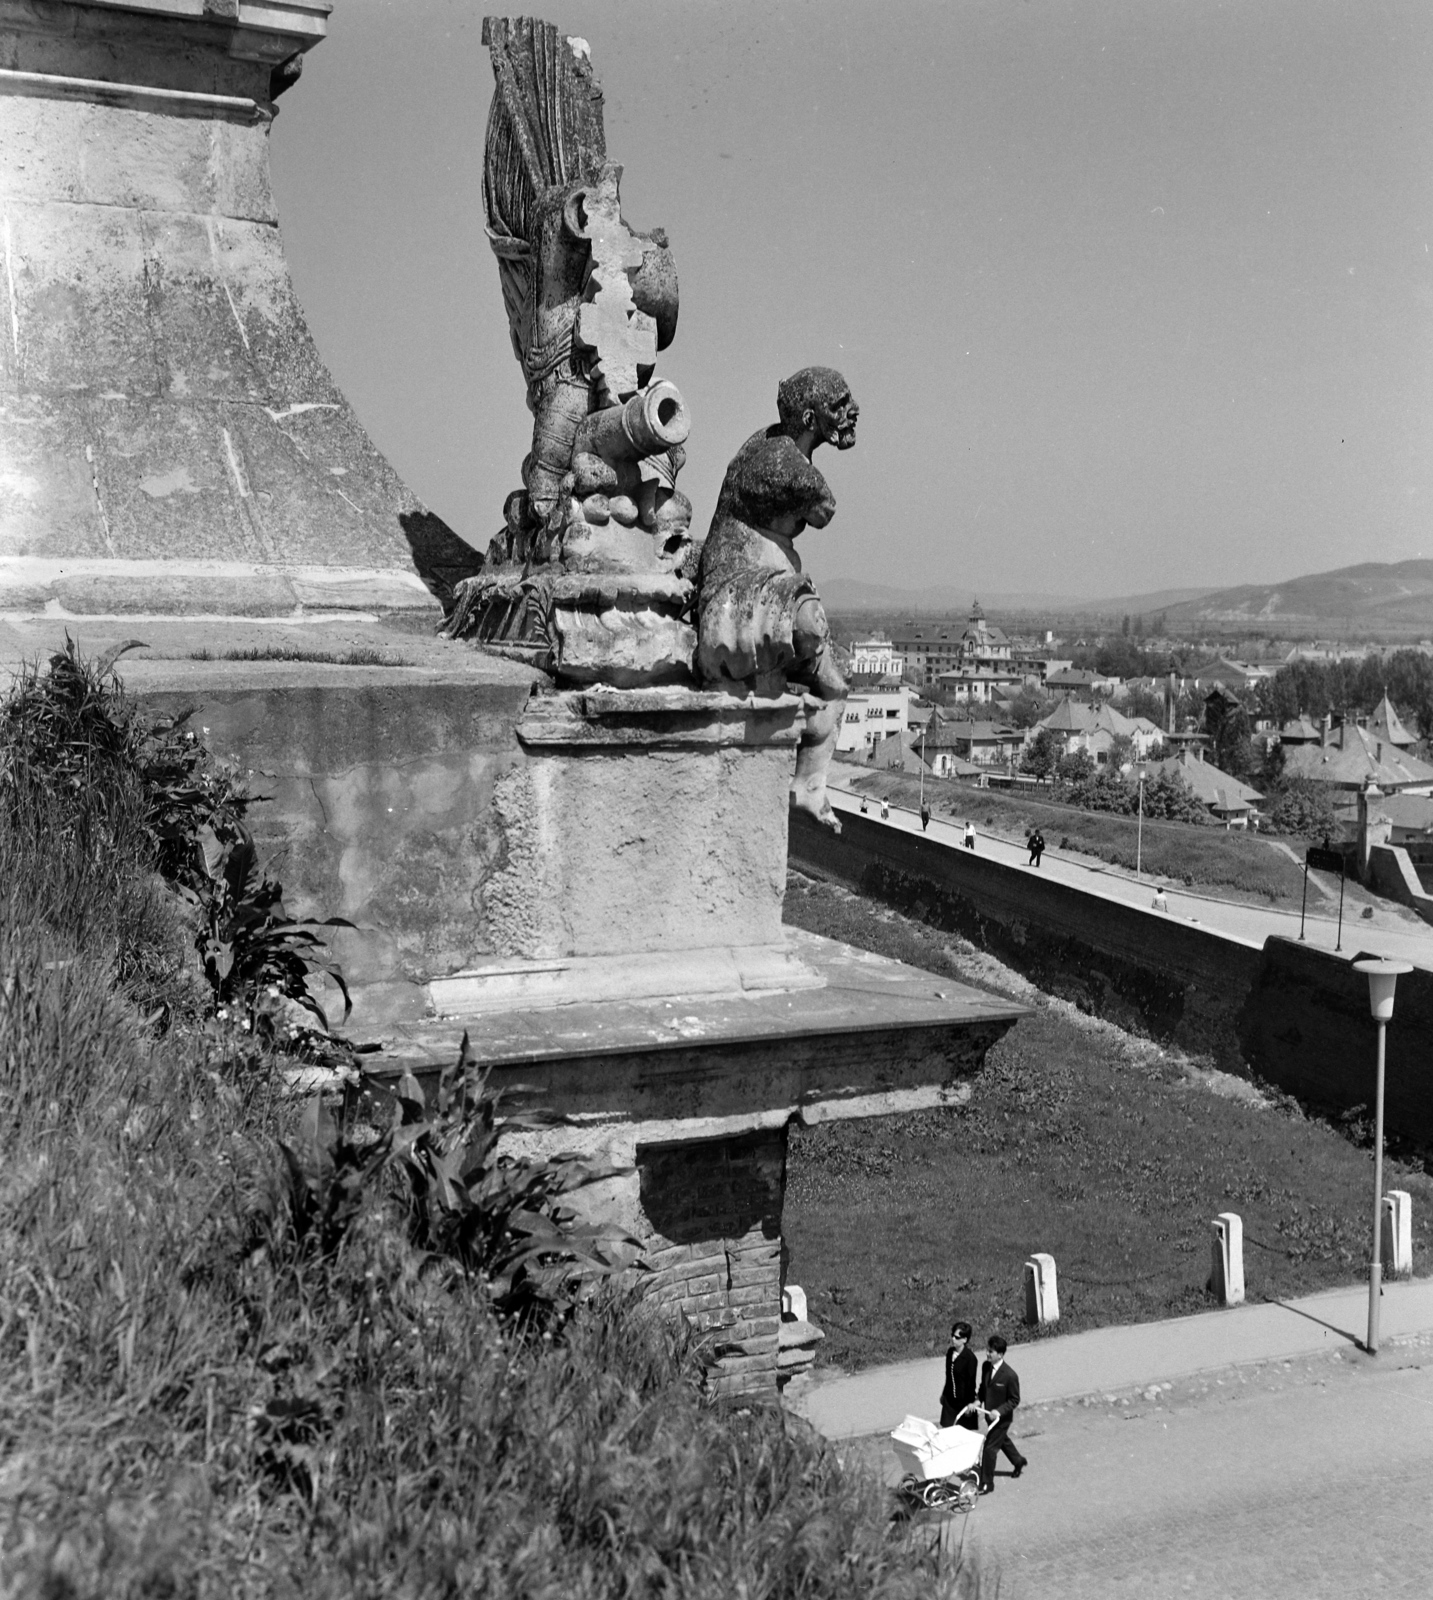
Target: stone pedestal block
{"x":644,"y":821}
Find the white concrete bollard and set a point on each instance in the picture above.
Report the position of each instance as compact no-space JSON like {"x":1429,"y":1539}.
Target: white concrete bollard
{"x":1397,"y":1231}
{"x":1042,"y":1292}
{"x":793,"y":1303}
{"x":1226,"y":1278}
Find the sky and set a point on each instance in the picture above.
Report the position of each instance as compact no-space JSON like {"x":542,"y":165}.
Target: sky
{"x":1134,"y":294}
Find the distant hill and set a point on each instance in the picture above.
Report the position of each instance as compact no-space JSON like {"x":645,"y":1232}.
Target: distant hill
{"x":1373,"y":598}
{"x":850,"y":594}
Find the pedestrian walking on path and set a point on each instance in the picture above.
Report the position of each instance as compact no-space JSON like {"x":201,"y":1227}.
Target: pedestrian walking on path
{"x":957,"y":1398}
{"x":1160,"y":901}
{"x":863,"y":805}
{"x":925,"y":815}
{"x":885,"y":810}
{"x":1036,"y":842}
{"x":999,"y":1397}
{"x":970,"y":836}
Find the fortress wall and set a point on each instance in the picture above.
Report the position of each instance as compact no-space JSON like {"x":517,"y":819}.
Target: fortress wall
{"x":1305,"y":1026}
{"x":1294,"y":1016}
{"x":1139,"y":969}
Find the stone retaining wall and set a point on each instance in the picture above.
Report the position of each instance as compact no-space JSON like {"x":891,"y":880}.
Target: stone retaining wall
{"x":1295,"y":1016}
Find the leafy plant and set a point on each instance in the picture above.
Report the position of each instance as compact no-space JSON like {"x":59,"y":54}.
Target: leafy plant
{"x":498,"y":1217}
{"x":1303,"y":810}
{"x":324,"y":1181}
{"x":80,"y":771}
{"x":248,"y":943}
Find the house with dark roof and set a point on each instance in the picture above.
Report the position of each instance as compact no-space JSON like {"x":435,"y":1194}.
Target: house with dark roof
{"x":980,"y":744}
{"x":1350,"y":758}
{"x":1228,"y":800}
{"x":1238,"y":676}
{"x":1078,"y":726}
{"x":1081,"y":684}
{"x":1386,"y":724}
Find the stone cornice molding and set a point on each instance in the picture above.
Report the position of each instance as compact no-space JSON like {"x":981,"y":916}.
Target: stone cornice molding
{"x":132,"y":96}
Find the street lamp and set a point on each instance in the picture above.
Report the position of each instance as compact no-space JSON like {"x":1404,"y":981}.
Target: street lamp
{"x":1382,"y":976}
{"x":1139,"y":833}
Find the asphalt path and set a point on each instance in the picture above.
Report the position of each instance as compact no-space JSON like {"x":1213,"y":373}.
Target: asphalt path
{"x":1386,"y":935}
{"x":1293,"y":1481}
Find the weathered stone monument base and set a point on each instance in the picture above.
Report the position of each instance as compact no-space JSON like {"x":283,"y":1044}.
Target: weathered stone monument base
{"x":693,"y":1094}
{"x":170,"y":439}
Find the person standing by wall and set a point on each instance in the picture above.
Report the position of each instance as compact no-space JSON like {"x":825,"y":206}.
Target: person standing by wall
{"x":969,"y":835}
{"x":925,"y":815}
{"x":957,"y":1398}
{"x":999,"y":1397}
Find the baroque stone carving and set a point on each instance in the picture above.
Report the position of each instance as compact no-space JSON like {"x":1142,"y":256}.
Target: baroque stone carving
{"x":761,"y":624}
{"x":591,"y":575}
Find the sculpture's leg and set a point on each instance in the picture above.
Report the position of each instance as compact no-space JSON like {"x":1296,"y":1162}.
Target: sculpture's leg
{"x":813,"y":760}
{"x":818,"y":673}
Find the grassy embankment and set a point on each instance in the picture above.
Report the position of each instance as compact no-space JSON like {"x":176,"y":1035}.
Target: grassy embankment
{"x":1080,"y":1140}
{"x":228,"y":1373}
{"x":1234,"y":865}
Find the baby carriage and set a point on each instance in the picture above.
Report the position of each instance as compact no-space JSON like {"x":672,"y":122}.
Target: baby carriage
{"x":941,"y":1465}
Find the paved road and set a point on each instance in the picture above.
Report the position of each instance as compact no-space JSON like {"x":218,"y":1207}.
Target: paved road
{"x":1294,"y":1482}
{"x":845,"y":1406}
{"x":1387,"y":934}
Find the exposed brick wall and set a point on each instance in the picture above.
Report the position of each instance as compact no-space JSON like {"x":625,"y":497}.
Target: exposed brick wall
{"x":715,"y":1207}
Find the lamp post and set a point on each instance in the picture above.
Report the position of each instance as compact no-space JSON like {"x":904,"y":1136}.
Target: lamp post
{"x":1382,"y":976}
{"x":1139,"y":832}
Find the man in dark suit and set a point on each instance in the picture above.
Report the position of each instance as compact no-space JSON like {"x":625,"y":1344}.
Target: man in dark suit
{"x":960,"y":1373}
{"x":999,"y":1396}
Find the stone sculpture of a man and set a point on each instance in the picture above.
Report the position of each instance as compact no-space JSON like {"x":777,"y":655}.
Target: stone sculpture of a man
{"x":761,"y":625}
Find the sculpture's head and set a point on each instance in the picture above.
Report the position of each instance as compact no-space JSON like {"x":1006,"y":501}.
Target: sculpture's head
{"x":818,"y":401}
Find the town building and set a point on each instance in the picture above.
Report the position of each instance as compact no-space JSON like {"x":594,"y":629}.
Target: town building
{"x":1237,"y":676}
{"x":1094,"y":728}
{"x":1227,"y":799}
{"x":980,"y":744}
{"x":1409,"y":817}
{"x":880,"y":707}
{"x":1083,"y":685}
{"x":927,"y":652}
{"x":1385,"y":724}
{"x":1350,"y":758}
{"x":974,"y":662}
{"x":874,"y":658}
{"x":898,"y":752}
